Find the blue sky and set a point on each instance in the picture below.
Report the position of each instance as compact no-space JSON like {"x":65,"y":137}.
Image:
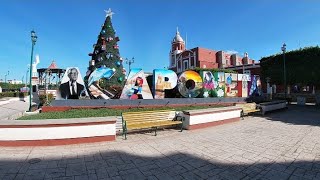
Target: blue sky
{"x":67,"y":29}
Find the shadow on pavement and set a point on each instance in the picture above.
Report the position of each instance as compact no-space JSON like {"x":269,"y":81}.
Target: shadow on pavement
{"x":298,"y":115}
{"x":121,"y":165}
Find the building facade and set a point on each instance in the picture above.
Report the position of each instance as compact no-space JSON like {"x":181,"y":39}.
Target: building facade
{"x":181,"y":59}
{"x":14,"y":81}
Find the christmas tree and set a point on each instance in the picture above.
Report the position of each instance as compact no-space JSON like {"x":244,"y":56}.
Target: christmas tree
{"x":106,"y":54}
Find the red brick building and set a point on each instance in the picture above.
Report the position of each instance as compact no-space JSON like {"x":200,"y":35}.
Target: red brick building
{"x":182,"y":58}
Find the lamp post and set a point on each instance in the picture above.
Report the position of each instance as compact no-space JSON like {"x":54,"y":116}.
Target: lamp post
{"x":283,"y":49}
{"x":27,"y":76}
{"x":5,"y":76}
{"x":33,"y":40}
{"x":129,"y":61}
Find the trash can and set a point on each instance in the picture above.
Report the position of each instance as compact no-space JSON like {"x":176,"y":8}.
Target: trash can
{"x":301,"y":100}
{"x":22,"y":97}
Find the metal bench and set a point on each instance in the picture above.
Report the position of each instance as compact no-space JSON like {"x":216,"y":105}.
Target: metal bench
{"x":149,"y":120}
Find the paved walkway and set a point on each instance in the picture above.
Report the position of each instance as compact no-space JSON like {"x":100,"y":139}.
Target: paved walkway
{"x":280,"y":145}
{"x":12,"y":109}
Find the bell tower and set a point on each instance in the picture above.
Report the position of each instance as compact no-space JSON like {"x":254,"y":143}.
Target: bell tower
{"x":177,"y":47}
{"x":177,"y":44}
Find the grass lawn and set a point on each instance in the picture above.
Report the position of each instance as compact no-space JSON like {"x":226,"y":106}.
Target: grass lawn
{"x":80,"y":113}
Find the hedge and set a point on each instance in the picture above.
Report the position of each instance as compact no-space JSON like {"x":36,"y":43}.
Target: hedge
{"x":13,"y":94}
{"x":9,"y":86}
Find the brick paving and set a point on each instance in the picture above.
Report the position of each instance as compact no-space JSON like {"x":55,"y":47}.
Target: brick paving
{"x":279,"y":145}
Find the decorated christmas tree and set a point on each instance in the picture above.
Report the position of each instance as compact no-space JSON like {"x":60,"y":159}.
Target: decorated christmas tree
{"x":106,"y":54}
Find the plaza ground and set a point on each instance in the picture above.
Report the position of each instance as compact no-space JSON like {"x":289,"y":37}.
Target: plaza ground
{"x":280,"y":145}
{"x":12,"y":109}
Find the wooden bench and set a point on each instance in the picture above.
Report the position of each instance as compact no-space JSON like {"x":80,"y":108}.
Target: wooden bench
{"x":248,"y":108}
{"x":149,"y":120}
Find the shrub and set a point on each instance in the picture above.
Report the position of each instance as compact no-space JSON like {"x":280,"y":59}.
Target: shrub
{"x":44,"y":101}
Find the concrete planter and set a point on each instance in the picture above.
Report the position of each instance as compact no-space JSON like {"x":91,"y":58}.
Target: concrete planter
{"x":271,"y":106}
{"x":57,"y":131}
{"x":202,"y":118}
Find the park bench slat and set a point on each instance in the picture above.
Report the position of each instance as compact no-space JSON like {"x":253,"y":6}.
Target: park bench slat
{"x":163,"y":123}
{"x":140,"y":125}
{"x":152,"y":124}
{"x":146,"y":112}
{"x":133,"y":118}
{"x":143,"y":121}
{"x":169,"y":116}
{"x":148,"y":115}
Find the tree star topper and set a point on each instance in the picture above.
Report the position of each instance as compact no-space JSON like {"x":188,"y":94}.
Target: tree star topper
{"x":109,"y":13}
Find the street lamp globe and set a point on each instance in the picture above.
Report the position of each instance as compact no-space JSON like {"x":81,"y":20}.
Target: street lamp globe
{"x":33,"y":36}
{"x":284,"y":47}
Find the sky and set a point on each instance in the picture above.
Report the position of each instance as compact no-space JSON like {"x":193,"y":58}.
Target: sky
{"x":67,"y":30}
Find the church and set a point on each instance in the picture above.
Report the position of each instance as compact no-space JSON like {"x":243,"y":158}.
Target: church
{"x":182,"y":59}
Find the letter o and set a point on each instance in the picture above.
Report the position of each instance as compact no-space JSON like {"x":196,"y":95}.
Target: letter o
{"x":189,"y":84}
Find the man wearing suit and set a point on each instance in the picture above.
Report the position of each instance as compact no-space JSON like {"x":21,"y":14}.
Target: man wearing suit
{"x":71,"y":89}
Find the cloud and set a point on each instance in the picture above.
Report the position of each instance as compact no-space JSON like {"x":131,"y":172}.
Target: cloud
{"x":232,"y":52}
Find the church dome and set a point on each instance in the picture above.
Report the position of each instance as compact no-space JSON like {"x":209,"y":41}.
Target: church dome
{"x":177,"y":38}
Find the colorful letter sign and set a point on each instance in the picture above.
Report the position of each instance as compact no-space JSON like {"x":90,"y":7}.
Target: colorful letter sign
{"x":163,"y":79}
{"x":136,"y":86}
{"x":189,"y":84}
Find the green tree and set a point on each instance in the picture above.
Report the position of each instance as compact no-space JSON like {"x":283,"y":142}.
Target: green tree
{"x":302,"y":67}
{"x":11,"y":87}
{"x":106,"y":54}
